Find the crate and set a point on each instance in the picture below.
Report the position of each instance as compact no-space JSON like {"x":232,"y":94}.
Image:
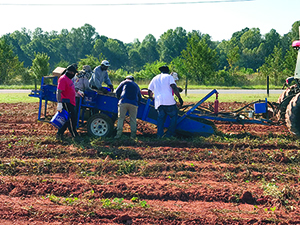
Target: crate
{"x":58,"y":71}
{"x":260,"y":107}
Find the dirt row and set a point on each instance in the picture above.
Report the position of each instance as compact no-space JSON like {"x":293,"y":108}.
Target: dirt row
{"x":246,"y":174}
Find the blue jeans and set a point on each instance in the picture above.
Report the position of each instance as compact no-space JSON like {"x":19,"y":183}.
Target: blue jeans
{"x":163,"y":111}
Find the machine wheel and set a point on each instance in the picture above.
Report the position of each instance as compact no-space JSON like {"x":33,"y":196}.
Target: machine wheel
{"x":284,"y":100}
{"x":292,"y":116}
{"x":100,"y":125}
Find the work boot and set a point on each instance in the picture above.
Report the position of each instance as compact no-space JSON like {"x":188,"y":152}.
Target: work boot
{"x":78,"y":139}
{"x":59,"y":137}
{"x":117,"y":136}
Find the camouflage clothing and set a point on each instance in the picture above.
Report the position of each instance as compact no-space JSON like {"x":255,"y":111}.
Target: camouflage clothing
{"x":81,"y":80}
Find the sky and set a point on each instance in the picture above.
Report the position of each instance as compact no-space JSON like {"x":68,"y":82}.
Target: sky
{"x":127,"y":20}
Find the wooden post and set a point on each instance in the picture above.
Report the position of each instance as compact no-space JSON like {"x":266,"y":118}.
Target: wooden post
{"x":186,"y":84}
{"x":268,"y":88}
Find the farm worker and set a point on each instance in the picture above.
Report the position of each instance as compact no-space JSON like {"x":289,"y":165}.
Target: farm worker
{"x":129,"y":95}
{"x":81,"y":83}
{"x":162,"y":85}
{"x":65,"y":96}
{"x":99,"y":76}
{"x":175,"y":76}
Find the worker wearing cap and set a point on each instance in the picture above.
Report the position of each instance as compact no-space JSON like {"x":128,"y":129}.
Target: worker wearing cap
{"x":81,"y":83}
{"x":99,"y":76}
{"x":129,"y":95}
{"x":175,"y":76}
{"x":162,"y":85}
{"x":65,"y":96}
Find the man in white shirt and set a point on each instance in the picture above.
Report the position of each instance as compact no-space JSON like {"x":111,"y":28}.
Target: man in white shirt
{"x":162,"y":85}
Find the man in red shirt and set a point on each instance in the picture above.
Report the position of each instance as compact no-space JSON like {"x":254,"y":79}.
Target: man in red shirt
{"x":66,"y":100}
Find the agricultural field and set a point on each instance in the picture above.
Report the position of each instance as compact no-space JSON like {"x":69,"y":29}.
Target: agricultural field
{"x":245,"y":174}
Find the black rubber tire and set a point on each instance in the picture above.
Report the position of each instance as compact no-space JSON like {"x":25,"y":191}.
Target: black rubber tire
{"x":283,"y":100}
{"x":292,"y":115}
{"x":100,"y":125}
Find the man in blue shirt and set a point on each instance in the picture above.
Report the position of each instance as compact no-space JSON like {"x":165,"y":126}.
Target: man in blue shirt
{"x":129,"y":95}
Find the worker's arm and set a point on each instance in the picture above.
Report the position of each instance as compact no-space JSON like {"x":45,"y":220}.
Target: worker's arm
{"x":108,"y":82}
{"x":150,"y":93}
{"x":59,"y":103}
{"x":58,"y":95}
{"x":176,"y":92}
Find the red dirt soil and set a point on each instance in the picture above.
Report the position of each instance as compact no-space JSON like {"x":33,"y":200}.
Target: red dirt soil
{"x":45,"y":181}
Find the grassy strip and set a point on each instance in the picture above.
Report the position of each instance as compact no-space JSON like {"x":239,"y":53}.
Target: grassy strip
{"x":17,"y":97}
{"x":144,"y":84}
{"x":23,"y":97}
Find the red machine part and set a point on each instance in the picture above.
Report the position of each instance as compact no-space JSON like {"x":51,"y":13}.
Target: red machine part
{"x":296,"y":44}
{"x":216,"y":107}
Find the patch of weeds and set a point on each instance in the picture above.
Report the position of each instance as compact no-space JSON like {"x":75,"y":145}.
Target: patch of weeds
{"x":96,"y":182}
{"x":118,"y":153}
{"x":271,"y":189}
{"x":119,"y":203}
{"x":53,"y":198}
{"x":89,"y":194}
{"x":228,"y":176}
{"x":126,"y":167}
{"x":181,"y":186}
{"x":284,"y":195}
{"x":226,"y":211}
{"x":70,"y":201}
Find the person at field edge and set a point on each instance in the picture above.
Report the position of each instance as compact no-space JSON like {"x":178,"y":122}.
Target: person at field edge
{"x":129,"y":95}
{"x":161,"y":86}
{"x":99,"y":76}
{"x":66,"y":100}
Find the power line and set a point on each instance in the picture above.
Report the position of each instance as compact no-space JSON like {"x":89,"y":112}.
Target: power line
{"x":123,"y":4}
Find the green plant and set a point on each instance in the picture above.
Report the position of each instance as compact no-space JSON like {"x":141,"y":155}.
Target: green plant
{"x":53,"y":198}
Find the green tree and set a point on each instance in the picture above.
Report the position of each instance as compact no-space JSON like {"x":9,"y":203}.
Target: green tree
{"x":295,"y":31}
{"x":116,"y":53}
{"x":272,"y":39}
{"x":18,"y":40}
{"x":252,"y":49}
{"x":148,"y":49}
{"x":10,"y":67}
{"x":40,"y":66}
{"x":233,"y":57}
{"x":177,"y":65}
{"x":89,"y":60}
{"x":199,"y":59}
{"x":171,"y":43}
{"x":80,"y":42}
{"x":251,"y":39}
{"x":231,"y":51}
{"x":289,"y":63}
{"x":98,"y":48}
{"x":151,"y":70}
{"x":134,"y":60}
{"x":273,"y":65}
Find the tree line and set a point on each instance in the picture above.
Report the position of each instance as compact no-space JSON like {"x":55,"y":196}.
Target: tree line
{"x":247,"y":58}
